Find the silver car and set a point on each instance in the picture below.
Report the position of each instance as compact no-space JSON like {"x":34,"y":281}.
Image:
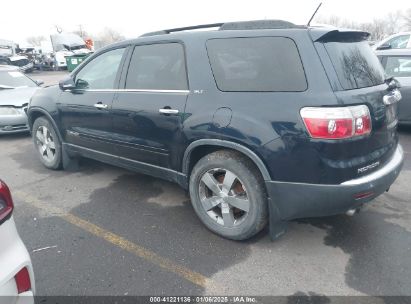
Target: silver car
{"x":397,"y":63}
{"x":16,"y":90}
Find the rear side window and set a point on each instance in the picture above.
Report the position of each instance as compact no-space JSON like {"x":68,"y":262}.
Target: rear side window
{"x":261,"y":64}
{"x":157,"y":67}
{"x":356,"y":64}
{"x":398,"y":66}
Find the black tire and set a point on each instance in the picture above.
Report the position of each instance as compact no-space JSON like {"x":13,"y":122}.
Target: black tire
{"x":250,"y":181}
{"x":55,"y":162}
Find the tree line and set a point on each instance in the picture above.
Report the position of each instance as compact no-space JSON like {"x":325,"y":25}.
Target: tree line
{"x":379,"y":28}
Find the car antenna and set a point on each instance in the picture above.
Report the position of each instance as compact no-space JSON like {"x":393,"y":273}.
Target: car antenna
{"x":312,"y":17}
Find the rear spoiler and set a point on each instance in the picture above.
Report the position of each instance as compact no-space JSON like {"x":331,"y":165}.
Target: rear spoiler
{"x":337,"y":35}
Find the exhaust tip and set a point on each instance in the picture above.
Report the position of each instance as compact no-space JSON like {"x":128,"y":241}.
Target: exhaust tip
{"x":351,"y":212}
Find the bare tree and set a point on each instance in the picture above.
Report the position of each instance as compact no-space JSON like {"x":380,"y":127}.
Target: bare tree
{"x":336,"y":21}
{"x":378,"y":28}
{"x":35,"y":40}
{"x":109,"y":35}
{"x":394,"y":22}
{"x":407,"y":19}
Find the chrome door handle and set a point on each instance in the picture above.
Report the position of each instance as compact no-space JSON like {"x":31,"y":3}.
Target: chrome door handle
{"x":100,"y":105}
{"x":168,"y":111}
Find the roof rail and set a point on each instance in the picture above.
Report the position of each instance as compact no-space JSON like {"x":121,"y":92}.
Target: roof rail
{"x":180,"y":29}
{"x":242,"y":25}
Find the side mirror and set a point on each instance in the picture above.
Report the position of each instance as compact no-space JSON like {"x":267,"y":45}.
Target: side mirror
{"x":385,"y":46}
{"x":67,"y":84}
{"x":81,"y":84}
{"x":39,"y":82}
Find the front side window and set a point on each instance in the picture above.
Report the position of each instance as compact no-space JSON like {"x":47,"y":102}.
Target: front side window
{"x":157,"y":67}
{"x":101,"y":72}
{"x":398,"y":66}
{"x":399,"y":42}
{"x":261,"y":64}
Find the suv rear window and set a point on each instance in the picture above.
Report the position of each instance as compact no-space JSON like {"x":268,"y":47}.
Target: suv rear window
{"x":356,"y":64}
{"x":267,"y":64}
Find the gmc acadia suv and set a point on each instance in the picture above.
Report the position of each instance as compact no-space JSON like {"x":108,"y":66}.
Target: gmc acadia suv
{"x":262,"y":121}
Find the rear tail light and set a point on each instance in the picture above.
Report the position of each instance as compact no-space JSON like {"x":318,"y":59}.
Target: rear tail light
{"x":337,"y":123}
{"x":22,"y":279}
{"x":6,"y":203}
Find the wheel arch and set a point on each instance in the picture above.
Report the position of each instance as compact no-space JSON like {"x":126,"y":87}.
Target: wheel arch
{"x":211,"y":145}
{"x":35,"y":113}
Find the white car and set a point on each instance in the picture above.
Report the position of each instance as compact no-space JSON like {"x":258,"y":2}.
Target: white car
{"x":16,"y":270}
{"x":397,"y":41}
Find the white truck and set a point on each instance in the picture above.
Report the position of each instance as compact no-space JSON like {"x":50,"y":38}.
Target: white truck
{"x":67,"y":44}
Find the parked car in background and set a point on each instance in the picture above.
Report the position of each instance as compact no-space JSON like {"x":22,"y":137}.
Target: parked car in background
{"x":16,"y":89}
{"x":9,"y":55}
{"x":397,"y":63}
{"x":262,"y":121}
{"x":16,"y":270}
{"x":397,"y":41}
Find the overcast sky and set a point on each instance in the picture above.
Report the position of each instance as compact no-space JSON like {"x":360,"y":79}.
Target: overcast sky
{"x":24,"y":18}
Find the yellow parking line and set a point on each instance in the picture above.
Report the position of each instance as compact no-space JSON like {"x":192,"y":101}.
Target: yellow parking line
{"x":140,"y":251}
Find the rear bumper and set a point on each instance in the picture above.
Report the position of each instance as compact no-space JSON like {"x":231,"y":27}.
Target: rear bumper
{"x":297,"y":200}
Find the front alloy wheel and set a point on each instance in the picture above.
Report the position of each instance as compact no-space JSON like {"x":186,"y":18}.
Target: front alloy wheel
{"x":45,"y":144}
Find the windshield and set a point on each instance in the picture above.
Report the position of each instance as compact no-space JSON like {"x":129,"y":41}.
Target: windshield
{"x":78,"y":47}
{"x":14,"y":79}
{"x":6,"y":50}
{"x":355,"y":64}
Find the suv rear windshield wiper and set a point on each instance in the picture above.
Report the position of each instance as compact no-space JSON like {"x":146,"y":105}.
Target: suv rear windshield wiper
{"x":392,"y":83}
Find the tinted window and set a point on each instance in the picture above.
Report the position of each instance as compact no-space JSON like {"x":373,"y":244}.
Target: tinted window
{"x":157,"y":67}
{"x":398,"y":66}
{"x":101,"y":72}
{"x":399,"y":42}
{"x":15,"y":79}
{"x":256,"y":64}
{"x":356,"y":64}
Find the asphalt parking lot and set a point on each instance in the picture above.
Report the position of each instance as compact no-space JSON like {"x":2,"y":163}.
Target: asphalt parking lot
{"x":107,"y":231}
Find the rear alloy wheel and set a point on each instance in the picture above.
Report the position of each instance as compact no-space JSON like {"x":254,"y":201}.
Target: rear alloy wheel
{"x":224,"y":197}
{"x":47,"y":143}
{"x":228,"y":194}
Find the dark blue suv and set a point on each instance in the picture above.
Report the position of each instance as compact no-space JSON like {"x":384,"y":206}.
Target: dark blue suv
{"x":262,"y":121}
